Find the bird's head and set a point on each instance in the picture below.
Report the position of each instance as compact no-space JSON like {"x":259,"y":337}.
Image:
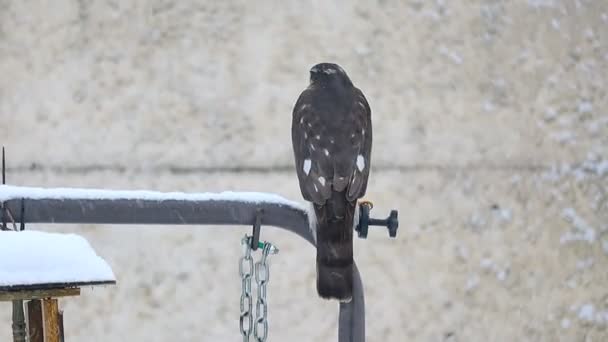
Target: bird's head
{"x":329,"y":74}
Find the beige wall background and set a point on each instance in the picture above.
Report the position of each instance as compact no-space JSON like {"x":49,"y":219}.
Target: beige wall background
{"x":490,"y":137}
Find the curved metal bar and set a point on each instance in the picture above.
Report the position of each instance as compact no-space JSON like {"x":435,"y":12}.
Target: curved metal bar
{"x":189,"y":212}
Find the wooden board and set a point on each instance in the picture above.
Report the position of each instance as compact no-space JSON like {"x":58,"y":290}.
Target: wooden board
{"x":50,"y":307}
{"x":54,"y":286}
{"x":38,"y":294}
{"x":34,"y":321}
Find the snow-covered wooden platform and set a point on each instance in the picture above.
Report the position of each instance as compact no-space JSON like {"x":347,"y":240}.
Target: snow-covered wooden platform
{"x":38,"y":267}
{"x":41,"y":260}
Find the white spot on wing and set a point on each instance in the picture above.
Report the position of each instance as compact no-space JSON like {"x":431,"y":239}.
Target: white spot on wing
{"x":318,"y":137}
{"x":330,"y":71}
{"x":362,"y":105}
{"x":304,"y":106}
{"x":316,"y":189}
{"x":326,"y":152}
{"x":322,"y":180}
{"x":363,"y":131}
{"x":305,"y":135}
{"x":306,"y":166}
{"x":360,"y":163}
{"x":302,"y":120}
{"x":312,"y":147}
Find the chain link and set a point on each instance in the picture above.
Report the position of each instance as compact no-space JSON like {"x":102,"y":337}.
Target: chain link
{"x":245,"y":271}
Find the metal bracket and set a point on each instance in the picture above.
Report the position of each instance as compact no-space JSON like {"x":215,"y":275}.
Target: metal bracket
{"x":391,"y":222}
{"x":22,"y":223}
{"x":257,"y":227}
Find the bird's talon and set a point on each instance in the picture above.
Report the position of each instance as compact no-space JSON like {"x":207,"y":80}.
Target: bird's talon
{"x":370,"y":204}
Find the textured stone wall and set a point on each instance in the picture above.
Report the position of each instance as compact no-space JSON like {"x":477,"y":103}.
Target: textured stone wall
{"x":491,"y":138}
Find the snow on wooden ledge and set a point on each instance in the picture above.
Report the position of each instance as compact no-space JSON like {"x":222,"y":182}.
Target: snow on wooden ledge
{"x":29,"y":258}
{"x":8,"y":192}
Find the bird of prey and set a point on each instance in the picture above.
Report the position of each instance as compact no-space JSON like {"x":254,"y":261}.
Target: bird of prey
{"x":332,"y":141}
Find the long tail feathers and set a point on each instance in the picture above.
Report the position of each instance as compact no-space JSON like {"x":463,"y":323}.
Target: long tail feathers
{"x":335,"y":247}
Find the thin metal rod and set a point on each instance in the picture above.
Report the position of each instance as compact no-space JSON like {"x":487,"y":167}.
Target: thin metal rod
{"x":22,"y":214}
{"x":179,"y":212}
{"x":3,"y":167}
{"x":3,"y":206}
{"x":18,"y":313}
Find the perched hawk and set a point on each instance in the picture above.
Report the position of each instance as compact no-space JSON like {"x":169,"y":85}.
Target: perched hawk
{"x":332,"y":141}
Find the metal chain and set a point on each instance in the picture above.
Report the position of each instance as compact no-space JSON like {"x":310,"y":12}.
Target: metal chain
{"x":262,"y":277}
{"x":245,"y":271}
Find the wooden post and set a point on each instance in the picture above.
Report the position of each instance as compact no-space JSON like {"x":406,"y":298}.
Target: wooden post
{"x":18,"y":321}
{"x":51,"y":320}
{"x":34,"y":321}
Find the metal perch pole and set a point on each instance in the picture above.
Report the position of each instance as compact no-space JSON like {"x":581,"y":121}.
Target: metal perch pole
{"x":187,"y":212}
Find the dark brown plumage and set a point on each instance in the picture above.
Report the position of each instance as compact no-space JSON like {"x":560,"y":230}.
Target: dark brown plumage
{"x":332,"y":139}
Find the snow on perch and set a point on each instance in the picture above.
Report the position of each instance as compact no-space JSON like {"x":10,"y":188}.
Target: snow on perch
{"x":8,"y":192}
{"x":191,"y":208}
{"x":34,"y":258}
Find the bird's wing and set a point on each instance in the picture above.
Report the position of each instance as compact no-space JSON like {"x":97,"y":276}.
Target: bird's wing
{"x":362,"y":139}
{"x":313,"y":163}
